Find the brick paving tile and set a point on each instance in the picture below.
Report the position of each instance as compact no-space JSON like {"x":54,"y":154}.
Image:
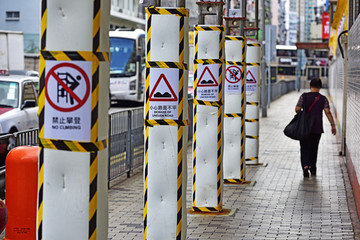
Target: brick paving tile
{"x":280,"y":205}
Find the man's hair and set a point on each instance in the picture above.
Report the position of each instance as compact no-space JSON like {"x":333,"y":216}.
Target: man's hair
{"x":316,"y":83}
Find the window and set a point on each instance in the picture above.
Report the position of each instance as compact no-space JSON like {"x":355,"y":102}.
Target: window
{"x":12,"y":15}
{"x":29,"y":93}
{"x":287,"y":71}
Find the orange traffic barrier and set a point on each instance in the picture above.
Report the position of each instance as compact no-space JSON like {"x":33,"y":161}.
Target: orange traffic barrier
{"x":21,"y":183}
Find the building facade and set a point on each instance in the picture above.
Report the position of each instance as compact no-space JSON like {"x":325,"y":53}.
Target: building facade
{"x":24,"y":16}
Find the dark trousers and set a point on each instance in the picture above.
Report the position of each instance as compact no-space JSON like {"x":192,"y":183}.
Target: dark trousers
{"x":309,"y":149}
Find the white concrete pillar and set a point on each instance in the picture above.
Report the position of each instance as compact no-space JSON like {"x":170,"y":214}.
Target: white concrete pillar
{"x":253,"y":59}
{"x":73,"y":120}
{"x":208,"y":114}
{"x":166,"y":115}
{"x":234,"y":112}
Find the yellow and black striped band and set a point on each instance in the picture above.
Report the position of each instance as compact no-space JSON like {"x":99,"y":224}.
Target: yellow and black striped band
{"x":252,"y":103}
{"x":236,"y":38}
{"x":252,"y":137}
{"x":253,"y":45}
{"x":233,"y":114}
{"x":251,"y":120}
{"x":208,"y":103}
{"x":167,"y":65}
{"x":73,"y":146}
{"x":168,"y":11}
{"x":169,"y":122}
{"x":75,"y":56}
{"x":208,"y":61}
{"x":253,"y":64}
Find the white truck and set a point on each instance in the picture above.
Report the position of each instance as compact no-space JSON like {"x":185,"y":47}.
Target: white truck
{"x":12,"y":50}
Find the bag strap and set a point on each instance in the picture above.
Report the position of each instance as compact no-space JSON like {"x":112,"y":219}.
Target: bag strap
{"x":316,"y":99}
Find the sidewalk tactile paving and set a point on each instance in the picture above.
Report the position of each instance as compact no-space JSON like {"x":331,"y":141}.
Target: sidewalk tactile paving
{"x":281,"y":205}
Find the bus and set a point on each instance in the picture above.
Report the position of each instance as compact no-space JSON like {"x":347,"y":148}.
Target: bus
{"x":285,"y":67}
{"x":127,"y":65}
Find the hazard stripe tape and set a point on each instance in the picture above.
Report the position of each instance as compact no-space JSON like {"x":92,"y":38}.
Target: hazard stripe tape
{"x":235,"y":63}
{"x":208,"y":61}
{"x":207,"y":103}
{"x":168,"y":11}
{"x":233,"y":115}
{"x":43,"y":23}
{"x":73,"y":146}
{"x":237,"y":38}
{"x":93,"y":174}
{"x":251,"y":120}
{"x":253,"y":64}
{"x":253,"y":45}
{"x":94,"y":142}
{"x":41,"y":103}
{"x":209,"y":28}
{"x":234,"y":180}
{"x":252,"y":103}
{"x":182,"y":13}
{"x":243,"y":106}
{"x":252,"y":159}
{"x":170,"y":122}
{"x":146,"y":173}
{"x":218,"y":104}
{"x":252,"y":137}
{"x":167,"y":65}
{"x":209,"y":2}
{"x":219,"y":128}
{"x":75,"y":56}
{"x":206,"y":209}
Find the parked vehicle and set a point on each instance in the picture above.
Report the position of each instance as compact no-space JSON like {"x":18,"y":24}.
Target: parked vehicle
{"x":127,"y":65}
{"x":18,"y":104}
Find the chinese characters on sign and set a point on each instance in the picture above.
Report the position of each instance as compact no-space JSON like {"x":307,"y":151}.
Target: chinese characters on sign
{"x":207,"y":88}
{"x":164,"y":91}
{"x":251,"y":79}
{"x":68,"y":100}
{"x":233,"y":77}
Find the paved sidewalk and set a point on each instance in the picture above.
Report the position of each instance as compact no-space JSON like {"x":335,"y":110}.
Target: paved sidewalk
{"x":281,"y":205}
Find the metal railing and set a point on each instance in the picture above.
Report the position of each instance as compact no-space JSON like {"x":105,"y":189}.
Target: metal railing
{"x":9,"y":141}
{"x":126,"y":141}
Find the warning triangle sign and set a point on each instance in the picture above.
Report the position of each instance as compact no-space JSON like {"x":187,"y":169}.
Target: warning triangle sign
{"x":163,"y":92}
{"x":250,"y":77}
{"x":207,"y":79}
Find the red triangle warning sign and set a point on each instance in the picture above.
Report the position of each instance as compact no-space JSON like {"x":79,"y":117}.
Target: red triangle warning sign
{"x":250,"y":77}
{"x":207,"y":79}
{"x":163,"y":92}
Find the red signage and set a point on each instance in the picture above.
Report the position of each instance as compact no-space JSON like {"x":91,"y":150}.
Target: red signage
{"x":325,"y":25}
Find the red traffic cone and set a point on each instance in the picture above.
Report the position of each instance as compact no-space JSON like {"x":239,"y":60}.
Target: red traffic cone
{"x":3,"y":216}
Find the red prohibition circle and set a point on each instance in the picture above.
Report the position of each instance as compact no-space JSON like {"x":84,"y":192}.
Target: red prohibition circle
{"x":237,"y":79}
{"x":82,"y":101}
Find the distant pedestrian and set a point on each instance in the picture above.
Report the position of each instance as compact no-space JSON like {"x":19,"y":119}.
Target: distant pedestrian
{"x":309,"y":146}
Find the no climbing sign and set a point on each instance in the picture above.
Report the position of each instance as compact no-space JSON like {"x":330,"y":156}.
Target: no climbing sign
{"x":68,"y":100}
